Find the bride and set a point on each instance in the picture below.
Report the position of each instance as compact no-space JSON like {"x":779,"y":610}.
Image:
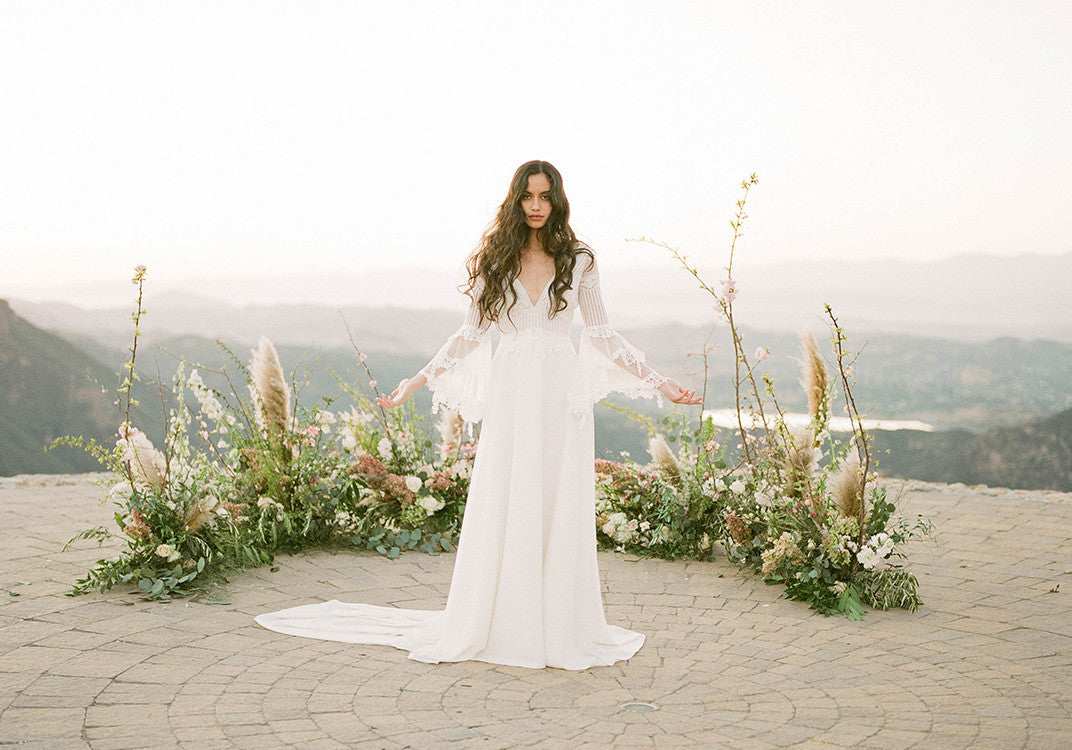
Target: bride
{"x":525,"y":587}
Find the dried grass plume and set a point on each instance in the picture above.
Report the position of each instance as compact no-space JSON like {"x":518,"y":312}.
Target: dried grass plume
{"x":145,"y":462}
{"x":847,"y":486}
{"x":271,"y":392}
{"x":664,"y":458}
{"x":815,"y":379}
{"x":200,"y":512}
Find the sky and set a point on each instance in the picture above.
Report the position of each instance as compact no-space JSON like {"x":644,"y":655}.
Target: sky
{"x":266,"y":138}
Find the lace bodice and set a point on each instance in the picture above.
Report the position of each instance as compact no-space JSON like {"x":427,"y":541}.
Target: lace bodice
{"x":529,"y":328}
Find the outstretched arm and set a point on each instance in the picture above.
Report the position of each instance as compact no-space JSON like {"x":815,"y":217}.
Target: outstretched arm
{"x":460,"y":345}
{"x":603,"y":338}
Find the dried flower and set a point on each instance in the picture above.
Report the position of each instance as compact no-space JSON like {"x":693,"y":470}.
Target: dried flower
{"x":738,"y":531}
{"x":145,"y":462}
{"x":664,"y":458}
{"x":847,"y":486}
{"x":272,"y":394}
{"x":200,"y":512}
{"x":137,"y":529}
{"x":815,"y":379}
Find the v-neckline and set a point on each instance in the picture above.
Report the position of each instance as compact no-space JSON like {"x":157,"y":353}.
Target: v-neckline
{"x":539,"y":296}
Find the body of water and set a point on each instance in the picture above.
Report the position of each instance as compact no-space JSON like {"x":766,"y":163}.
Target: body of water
{"x":728,"y":418}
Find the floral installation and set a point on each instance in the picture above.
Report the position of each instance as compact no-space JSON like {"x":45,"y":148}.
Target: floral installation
{"x":246,"y":472}
{"x":826,"y":531}
{"x":243,"y":475}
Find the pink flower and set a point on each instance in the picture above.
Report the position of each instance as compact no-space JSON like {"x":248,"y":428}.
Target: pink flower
{"x":729,"y":290}
{"x":372,"y":384}
{"x":362,"y":356}
{"x":761,"y":354}
{"x":709,"y":446}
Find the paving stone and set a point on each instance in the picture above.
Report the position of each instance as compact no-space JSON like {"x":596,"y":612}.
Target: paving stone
{"x":984,"y":663}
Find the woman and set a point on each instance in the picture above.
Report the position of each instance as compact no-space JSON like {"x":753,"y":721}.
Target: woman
{"x":525,"y":587}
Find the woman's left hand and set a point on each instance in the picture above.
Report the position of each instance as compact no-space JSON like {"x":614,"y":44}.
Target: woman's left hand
{"x":673,"y":390}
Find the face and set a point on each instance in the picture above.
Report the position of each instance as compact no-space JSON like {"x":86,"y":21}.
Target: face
{"x":536,"y":201}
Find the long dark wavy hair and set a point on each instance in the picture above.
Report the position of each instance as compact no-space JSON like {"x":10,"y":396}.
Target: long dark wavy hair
{"x":498,"y":256}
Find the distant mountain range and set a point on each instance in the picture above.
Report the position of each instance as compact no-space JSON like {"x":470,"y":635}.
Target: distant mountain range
{"x":950,"y":384}
{"x":1033,"y":456}
{"x":967,"y":297}
{"x":1001,"y":389}
{"x":49,"y":388}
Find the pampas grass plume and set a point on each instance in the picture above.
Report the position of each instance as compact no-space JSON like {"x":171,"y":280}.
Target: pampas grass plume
{"x":847,"y":486}
{"x":664,"y":458}
{"x":146,"y":462}
{"x":815,"y":380}
{"x":200,"y":513}
{"x":801,"y":454}
{"x":270,"y":387}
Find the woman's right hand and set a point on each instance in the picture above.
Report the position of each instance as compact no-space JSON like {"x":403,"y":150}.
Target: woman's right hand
{"x":406,"y":388}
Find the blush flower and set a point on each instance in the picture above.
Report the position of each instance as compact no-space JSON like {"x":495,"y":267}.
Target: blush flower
{"x":729,"y":290}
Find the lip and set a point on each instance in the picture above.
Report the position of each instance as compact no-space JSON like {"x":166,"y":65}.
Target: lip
{"x":535,"y":218}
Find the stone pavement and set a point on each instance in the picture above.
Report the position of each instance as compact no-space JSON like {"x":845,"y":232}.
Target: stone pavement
{"x":987,"y":662}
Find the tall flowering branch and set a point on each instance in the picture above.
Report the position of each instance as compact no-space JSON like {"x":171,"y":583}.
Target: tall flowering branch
{"x":725,"y":296}
{"x":863,"y":451}
{"x":128,"y":376}
{"x":381,"y":417}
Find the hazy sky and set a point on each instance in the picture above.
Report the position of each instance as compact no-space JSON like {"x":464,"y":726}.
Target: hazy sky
{"x":263,"y":137}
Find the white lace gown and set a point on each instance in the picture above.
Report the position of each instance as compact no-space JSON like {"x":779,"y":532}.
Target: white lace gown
{"x":525,"y":588}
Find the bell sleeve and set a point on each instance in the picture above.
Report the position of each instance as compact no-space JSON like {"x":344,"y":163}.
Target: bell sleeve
{"x":459,"y":372}
{"x":607,"y":362}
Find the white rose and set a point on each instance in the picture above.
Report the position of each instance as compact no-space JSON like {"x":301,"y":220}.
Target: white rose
{"x":413,"y":484}
{"x":349,"y":443}
{"x":429,"y":503}
{"x":164,"y":550}
{"x":384,"y":448}
{"x":737,"y":487}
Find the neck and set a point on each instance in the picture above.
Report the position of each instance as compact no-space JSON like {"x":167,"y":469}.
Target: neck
{"x":534,"y":242}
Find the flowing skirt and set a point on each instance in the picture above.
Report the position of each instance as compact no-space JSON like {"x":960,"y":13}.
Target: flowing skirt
{"x":525,"y":588}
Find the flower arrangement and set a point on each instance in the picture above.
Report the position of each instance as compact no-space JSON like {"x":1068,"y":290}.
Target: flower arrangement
{"x":826,"y":532}
{"x":241,"y":476}
{"x":244,"y":473}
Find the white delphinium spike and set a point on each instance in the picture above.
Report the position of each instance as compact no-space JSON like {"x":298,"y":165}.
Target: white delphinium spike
{"x":450,"y":433}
